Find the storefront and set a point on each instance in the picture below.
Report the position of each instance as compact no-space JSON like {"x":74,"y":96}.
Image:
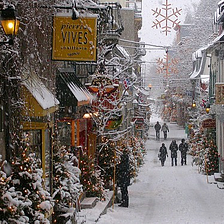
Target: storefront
{"x":38,"y":121}
{"x":74,"y":131}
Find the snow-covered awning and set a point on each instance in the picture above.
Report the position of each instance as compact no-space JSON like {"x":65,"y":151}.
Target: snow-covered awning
{"x":39,"y":101}
{"x":78,"y":90}
{"x":144,"y":92}
{"x":121,"y":51}
{"x":200,"y":57}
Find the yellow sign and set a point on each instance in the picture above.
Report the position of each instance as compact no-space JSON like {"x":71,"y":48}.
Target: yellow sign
{"x":74,"y":39}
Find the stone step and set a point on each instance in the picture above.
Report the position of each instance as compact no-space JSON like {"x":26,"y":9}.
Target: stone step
{"x":218,"y":177}
{"x":220,"y":185}
{"x":89,"y":202}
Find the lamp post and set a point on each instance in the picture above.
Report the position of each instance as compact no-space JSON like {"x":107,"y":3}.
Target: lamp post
{"x":10,"y":23}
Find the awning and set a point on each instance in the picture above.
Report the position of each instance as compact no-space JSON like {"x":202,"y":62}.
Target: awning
{"x":200,"y":55}
{"x":121,"y":52}
{"x":39,"y":101}
{"x":144,"y":92}
{"x":76,"y":88}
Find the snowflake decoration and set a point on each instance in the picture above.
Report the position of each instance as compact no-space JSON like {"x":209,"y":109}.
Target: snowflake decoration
{"x":170,"y":15}
{"x":167,"y":66}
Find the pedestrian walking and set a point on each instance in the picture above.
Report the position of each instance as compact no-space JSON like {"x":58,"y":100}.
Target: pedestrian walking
{"x":157,"y":128}
{"x":183,"y":147}
{"x":123,"y":178}
{"x":173,"y":148}
{"x":163,"y":154}
{"x":165,"y":129}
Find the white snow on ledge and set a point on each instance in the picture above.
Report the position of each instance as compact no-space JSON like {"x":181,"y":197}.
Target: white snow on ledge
{"x":40,"y":92}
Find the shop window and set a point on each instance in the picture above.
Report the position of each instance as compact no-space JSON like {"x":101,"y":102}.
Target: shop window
{"x":64,"y":133}
{"x":35,"y":140}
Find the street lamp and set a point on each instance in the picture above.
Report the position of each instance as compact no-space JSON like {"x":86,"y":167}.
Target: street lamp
{"x":193,"y":104}
{"x":10,"y":23}
{"x":207,"y":108}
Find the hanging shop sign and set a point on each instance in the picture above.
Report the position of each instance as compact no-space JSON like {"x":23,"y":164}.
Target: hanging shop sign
{"x":219,"y":93}
{"x":102,"y":83}
{"x":209,"y":123}
{"x":114,"y":122}
{"x":74,"y":40}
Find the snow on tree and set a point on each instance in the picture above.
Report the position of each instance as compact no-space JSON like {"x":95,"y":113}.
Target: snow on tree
{"x":24,"y":198}
{"x":66,"y":185}
{"x":90,"y":177}
{"x":204,"y":150}
{"x":212,"y":159}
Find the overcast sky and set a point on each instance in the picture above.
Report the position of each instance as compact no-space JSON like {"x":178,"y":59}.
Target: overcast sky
{"x":155,"y":36}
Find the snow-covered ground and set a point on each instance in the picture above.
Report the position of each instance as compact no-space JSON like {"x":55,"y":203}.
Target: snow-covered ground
{"x":172,"y":195}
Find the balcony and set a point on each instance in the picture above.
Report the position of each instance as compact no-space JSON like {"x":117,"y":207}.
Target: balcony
{"x":112,"y":26}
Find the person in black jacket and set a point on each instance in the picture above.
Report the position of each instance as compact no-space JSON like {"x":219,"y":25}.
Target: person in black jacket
{"x":165,"y":129}
{"x":183,"y":147}
{"x":173,"y":148}
{"x":163,"y":154}
{"x":157,"y":129}
{"x":123,"y":178}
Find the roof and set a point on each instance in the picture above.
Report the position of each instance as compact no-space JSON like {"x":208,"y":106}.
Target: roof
{"x":144,"y":92}
{"x":220,"y":2}
{"x":121,"y":52}
{"x":40,"y":92}
{"x":196,"y":55}
{"x":216,"y":40}
{"x":79,"y":91}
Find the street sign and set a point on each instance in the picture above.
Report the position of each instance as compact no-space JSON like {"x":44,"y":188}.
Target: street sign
{"x":74,"y":39}
{"x":209,"y":123}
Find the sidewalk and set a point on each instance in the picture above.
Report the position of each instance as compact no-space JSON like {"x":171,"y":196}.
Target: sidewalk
{"x":92,"y":215}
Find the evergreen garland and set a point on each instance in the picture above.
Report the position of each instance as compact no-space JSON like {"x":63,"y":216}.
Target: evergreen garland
{"x":90,"y":177}
{"x":66,"y":185}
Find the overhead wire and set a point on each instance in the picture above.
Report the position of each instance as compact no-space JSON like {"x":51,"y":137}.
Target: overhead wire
{"x":142,"y":43}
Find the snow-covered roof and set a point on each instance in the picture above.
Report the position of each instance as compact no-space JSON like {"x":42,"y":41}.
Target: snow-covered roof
{"x":144,"y":92}
{"x":39,"y":91}
{"x":220,"y":2}
{"x":202,"y":70}
{"x":198,"y":53}
{"x":216,"y":40}
{"x":88,"y":4}
{"x":80,"y":92}
{"x":122,"y":51}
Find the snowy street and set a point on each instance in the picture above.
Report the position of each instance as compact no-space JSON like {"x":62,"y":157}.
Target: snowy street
{"x":173,"y":195}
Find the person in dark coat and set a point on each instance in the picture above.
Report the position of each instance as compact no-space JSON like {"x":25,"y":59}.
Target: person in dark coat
{"x":173,"y":148}
{"x":163,"y":154}
{"x":165,"y":129}
{"x":123,"y":178}
{"x":157,"y":129}
{"x":183,"y":147}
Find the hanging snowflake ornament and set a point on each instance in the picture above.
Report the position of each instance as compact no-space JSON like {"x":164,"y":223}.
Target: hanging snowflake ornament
{"x":167,"y":66}
{"x":166,"y":17}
